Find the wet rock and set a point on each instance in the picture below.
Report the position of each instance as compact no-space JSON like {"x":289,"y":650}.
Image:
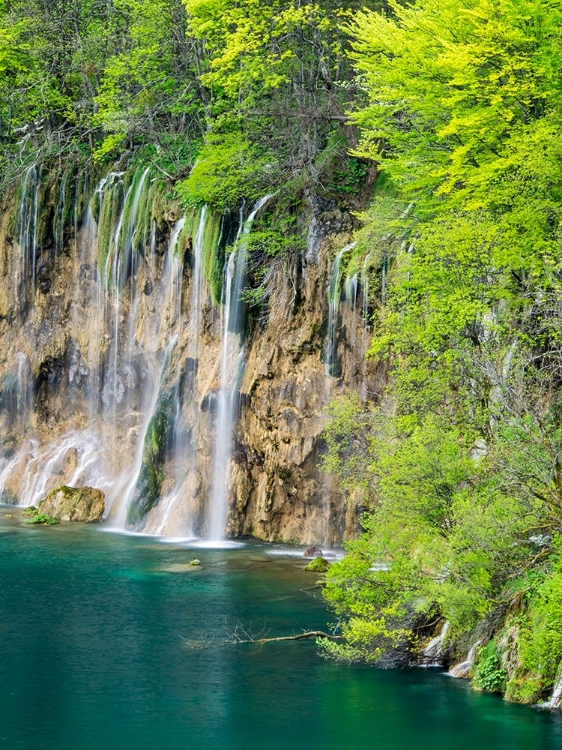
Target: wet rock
{"x":313,"y":552}
{"x":74,"y":504}
{"x":8,"y":498}
{"x":70,"y":461}
{"x":85,"y":371}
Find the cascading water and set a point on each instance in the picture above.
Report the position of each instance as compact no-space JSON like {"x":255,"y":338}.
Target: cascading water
{"x":351,"y":290}
{"x":365,"y":308}
{"x":432,"y":654}
{"x":231,"y":364}
{"x":134,"y":470}
{"x":462,"y":669}
{"x":556,"y":697}
{"x":334,"y":294}
{"x":172,"y":516}
{"x":124,"y":314}
{"x":27,"y":230}
{"x":133,"y":384}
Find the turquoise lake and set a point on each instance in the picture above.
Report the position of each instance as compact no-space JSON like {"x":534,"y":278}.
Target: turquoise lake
{"x":113,"y":642}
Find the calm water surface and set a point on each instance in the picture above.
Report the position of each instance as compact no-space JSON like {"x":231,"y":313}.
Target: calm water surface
{"x":102,"y":641}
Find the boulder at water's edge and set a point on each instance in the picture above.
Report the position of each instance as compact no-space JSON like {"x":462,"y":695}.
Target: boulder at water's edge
{"x":74,"y":504}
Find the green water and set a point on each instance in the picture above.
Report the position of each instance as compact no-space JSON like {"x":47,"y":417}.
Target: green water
{"x":100,"y":649}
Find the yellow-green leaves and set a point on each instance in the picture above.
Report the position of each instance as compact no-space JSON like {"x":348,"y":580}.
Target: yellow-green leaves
{"x":228,"y":170}
{"x":447,"y":82}
{"x":253,"y":45}
{"x":14,"y":52}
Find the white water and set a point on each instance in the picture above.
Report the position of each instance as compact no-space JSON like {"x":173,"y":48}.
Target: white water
{"x":79,"y":451}
{"x":173,"y":515}
{"x":334,"y":293}
{"x":131,"y":476}
{"x":351,"y":290}
{"x":132,"y":334}
{"x":232,"y":359}
{"x":555,"y":701}
{"x":365,"y":310}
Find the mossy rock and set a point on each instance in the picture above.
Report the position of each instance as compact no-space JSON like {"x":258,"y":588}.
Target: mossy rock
{"x":84,"y":504}
{"x":318,"y":565}
{"x":525,"y":688}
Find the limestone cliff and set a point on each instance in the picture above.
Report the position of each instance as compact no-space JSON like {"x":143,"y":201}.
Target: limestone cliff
{"x":116,"y":352}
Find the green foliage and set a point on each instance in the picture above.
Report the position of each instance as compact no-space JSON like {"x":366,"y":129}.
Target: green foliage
{"x":461,"y":462}
{"x":14,"y":52}
{"x":318,"y":565}
{"x":33,"y":516}
{"x":148,"y":488}
{"x":256,"y":47}
{"x":462,"y":118}
{"x":451,"y":522}
{"x":230,"y":96}
{"x":149,"y":83}
{"x":540,"y":641}
{"x":350,"y":177}
{"x":228,"y":169}
{"x":489,"y":674}
{"x":213,"y":254}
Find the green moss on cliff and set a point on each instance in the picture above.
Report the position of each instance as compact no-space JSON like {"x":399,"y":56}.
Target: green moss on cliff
{"x":148,"y":487}
{"x":212,"y":254}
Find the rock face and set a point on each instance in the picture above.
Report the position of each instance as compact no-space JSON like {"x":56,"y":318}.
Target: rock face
{"x":74,"y":504}
{"x":110,"y":373}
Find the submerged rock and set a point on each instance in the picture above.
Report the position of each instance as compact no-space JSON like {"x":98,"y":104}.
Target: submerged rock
{"x":179,"y":567}
{"x":74,"y":504}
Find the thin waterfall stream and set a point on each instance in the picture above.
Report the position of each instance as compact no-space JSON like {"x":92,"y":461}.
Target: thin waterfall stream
{"x":232,"y":357}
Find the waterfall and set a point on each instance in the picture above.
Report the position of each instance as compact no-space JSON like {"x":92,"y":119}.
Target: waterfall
{"x":173,"y":515}
{"x":58,"y":219}
{"x":170,"y":302}
{"x":365,"y":322}
{"x":133,"y":387}
{"x":27,"y":229}
{"x":197,"y":286}
{"x":131,"y":476}
{"x":231,"y":364}
{"x":555,"y":701}
{"x":463,"y":668}
{"x":365,"y":308}
{"x":125,"y":310}
{"x":433,"y":653}
{"x":351,"y":289}
{"x":334,"y":294}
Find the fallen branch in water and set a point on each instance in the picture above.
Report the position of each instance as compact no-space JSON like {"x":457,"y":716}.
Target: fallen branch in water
{"x":298,"y":637}
{"x":239,"y":634}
